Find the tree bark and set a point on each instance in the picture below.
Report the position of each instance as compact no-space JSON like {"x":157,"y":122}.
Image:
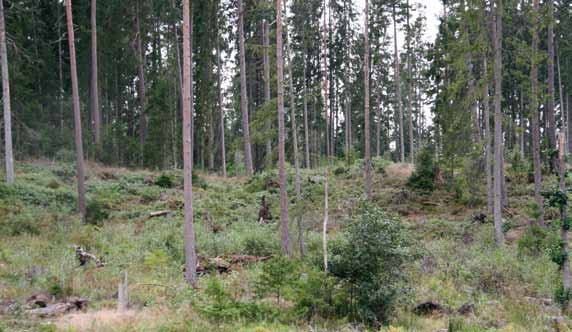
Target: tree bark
{"x":243,"y":96}
{"x":281,"y":134}
{"x":398,"y":90}
{"x":9,"y":154}
{"x":325,"y":223}
{"x":94,"y":82}
{"x":367,"y":150}
{"x":190,"y":251}
{"x":561,"y":100}
{"x":267,"y":94}
{"x":77,"y":115}
{"x":498,"y":143}
{"x":534,"y":114}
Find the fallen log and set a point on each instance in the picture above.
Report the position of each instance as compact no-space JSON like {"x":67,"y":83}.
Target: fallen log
{"x":155,"y":214}
{"x":71,"y":304}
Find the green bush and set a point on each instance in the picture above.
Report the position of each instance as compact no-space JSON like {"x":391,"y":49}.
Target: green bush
{"x":97,"y":211}
{"x":423,"y":179}
{"x":370,"y":257}
{"x":164,"y":181}
{"x":19,"y":223}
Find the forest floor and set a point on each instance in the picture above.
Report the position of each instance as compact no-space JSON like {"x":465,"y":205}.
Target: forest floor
{"x":508,"y":289}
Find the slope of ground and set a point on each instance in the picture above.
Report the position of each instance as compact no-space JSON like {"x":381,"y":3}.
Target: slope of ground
{"x":505,"y":289}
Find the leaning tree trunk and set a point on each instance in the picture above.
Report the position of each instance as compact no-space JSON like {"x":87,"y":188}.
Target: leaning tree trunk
{"x":367,"y":152}
{"x":498,"y":143}
{"x":534,"y":114}
{"x":281,"y":133}
{"x":243,"y":96}
{"x":190,"y":251}
{"x":398,"y":90}
{"x":94,"y":82}
{"x":9,"y":155}
{"x":77,"y":115}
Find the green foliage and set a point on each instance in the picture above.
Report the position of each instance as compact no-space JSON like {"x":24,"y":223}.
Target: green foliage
{"x":19,"y":223}
{"x":276,"y":274}
{"x":423,"y":179}
{"x":164,"y":181}
{"x":220,"y":307}
{"x":371,"y":256}
{"x":97,"y":211}
{"x":538,"y":240}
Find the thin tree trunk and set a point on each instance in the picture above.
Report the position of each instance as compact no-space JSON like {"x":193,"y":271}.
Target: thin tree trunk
{"x":281,"y":133}
{"x":367,"y":152}
{"x":409,"y":109}
{"x":499,"y":236}
{"x":325,"y":223}
{"x":77,"y":115}
{"x":293,"y":111}
{"x":325,"y":79}
{"x":306,"y":127}
{"x":398,"y":90}
{"x":142,"y":88}
{"x":94,"y":82}
{"x":561,"y":100}
{"x":564,"y":229}
{"x":534,"y":114}
{"x":60,"y":74}
{"x":267,"y":94}
{"x":487,"y":120}
{"x":9,"y":155}
{"x":550,"y":116}
{"x":378,"y":124}
{"x":190,"y":251}
{"x":221,"y":108}
{"x":243,"y":97}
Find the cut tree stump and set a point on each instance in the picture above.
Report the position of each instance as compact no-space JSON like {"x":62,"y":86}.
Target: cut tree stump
{"x":155,"y":214}
{"x":123,"y":295}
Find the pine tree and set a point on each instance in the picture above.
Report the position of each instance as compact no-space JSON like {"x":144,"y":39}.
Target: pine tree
{"x":498,"y":142}
{"x":9,"y":154}
{"x":94,"y":82}
{"x":243,"y":95}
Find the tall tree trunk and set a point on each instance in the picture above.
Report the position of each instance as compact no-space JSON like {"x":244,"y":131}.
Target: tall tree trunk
{"x":498,"y":173}
{"x":60,"y":75}
{"x":325,"y":223}
{"x":243,"y":97}
{"x":325,"y":79}
{"x":398,"y":90}
{"x":293,"y":111}
{"x":487,"y":120}
{"x":221,"y":108}
{"x":267,"y":94}
{"x":142,"y":88}
{"x":190,"y":251}
{"x":561,"y":100}
{"x":564,"y":229}
{"x":409,"y":76}
{"x":550,"y":116}
{"x":534,"y":114}
{"x":94,"y":82}
{"x":367,"y":138}
{"x":306,"y":127}
{"x":281,"y":133}
{"x":378,"y":123}
{"x":77,"y":115}
{"x":9,"y":155}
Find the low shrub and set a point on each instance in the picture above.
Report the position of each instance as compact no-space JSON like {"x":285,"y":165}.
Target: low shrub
{"x":423,"y":179}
